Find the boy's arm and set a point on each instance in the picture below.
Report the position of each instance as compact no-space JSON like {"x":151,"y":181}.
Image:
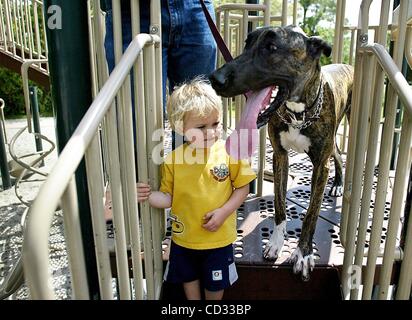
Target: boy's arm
{"x":160,"y":200}
{"x":156,"y":199}
{"x":215,"y":218}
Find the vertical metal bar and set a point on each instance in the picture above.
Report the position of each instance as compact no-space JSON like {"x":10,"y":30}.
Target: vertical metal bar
{"x":284,"y":20}
{"x":227,"y":105}
{"x":152,"y":166}
{"x":92,"y":37}
{"x":238,"y":99}
{"x":262,"y":161}
{"x":121,"y":102}
{"x":398,"y":193}
{"x":94,"y":168}
{"x":352,"y":46}
{"x":134,"y":218}
{"x":218,"y":16}
{"x":146,"y":215}
{"x":21,"y":31}
{"x":263,"y":131}
{"x":159,"y":218}
{"x":349,"y":218}
{"x":46,"y":46}
{"x":37,"y":30}
{"x":405,"y":278}
{"x":69,"y":53}
{"x":3,"y":118}
{"x":36,"y":117}
{"x":10,"y":32}
{"x":225,"y":118}
{"x":362,"y":36}
{"x":141,"y":146}
{"x":295,"y":11}
{"x":3,"y":27}
{"x":372,"y":147}
{"x":340,"y":52}
{"x":117,"y":204}
{"x":338,"y":30}
{"x":133,"y":212}
{"x":226,"y":29}
{"x":9,"y":39}
{"x":360,"y":152}
{"x":74,"y":246}
{"x":29,"y":31}
{"x":369,"y":173}
{"x":384,"y":162}
{"x":4,"y":168}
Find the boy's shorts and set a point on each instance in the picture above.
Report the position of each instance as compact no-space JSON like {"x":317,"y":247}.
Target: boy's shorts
{"x":215,"y":268}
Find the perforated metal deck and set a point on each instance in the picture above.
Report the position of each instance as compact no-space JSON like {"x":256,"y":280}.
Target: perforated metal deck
{"x":256,"y":217}
{"x":260,"y":278}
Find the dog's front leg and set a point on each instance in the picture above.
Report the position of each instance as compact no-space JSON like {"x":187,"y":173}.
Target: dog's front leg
{"x":302,"y":257}
{"x":280,"y":169}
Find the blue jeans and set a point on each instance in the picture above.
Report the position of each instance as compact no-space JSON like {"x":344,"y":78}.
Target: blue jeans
{"x":188,"y":46}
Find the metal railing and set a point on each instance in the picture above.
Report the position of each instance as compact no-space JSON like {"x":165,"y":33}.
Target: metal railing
{"x":100,"y":132}
{"x":22,"y":31}
{"x":59,"y":187}
{"x":373,"y":59}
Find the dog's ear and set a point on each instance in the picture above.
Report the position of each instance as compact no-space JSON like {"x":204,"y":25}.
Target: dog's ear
{"x":316,"y":46}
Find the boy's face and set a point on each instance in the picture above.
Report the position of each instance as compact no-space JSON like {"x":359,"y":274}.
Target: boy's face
{"x":202,"y":132}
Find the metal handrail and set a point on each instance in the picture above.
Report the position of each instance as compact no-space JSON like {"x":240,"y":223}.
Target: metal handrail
{"x":395,"y":75}
{"x":21,"y":35}
{"x":3,"y":119}
{"x":35,"y":245}
{"x":358,"y":179}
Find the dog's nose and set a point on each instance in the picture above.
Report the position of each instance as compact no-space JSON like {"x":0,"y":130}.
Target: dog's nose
{"x":217,"y":79}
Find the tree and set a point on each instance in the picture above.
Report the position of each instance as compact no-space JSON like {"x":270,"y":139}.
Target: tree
{"x":314,"y":12}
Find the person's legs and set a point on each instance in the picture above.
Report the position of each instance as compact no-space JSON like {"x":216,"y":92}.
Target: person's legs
{"x":214,"y":295}
{"x":192,"y":290}
{"x":192,"y":48}
{"x":183,"y":267}
{"x":126,"y":31}
{"x":218,"y":272}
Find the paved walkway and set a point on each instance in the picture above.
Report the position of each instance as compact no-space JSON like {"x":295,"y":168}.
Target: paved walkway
{"x":12,"y":210}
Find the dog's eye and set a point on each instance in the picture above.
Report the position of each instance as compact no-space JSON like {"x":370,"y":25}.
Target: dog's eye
{"x":272,"y":48}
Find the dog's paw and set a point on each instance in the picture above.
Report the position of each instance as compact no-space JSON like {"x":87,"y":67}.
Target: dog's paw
{"x":302,"y":264}
{"x":336,"y":191}
{"x":274,"y":246}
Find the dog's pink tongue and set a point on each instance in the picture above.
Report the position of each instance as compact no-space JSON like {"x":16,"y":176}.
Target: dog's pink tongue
{"x":243,"y":141}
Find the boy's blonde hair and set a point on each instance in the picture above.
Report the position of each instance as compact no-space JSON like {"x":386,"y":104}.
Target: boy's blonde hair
{"x":197,"y":97}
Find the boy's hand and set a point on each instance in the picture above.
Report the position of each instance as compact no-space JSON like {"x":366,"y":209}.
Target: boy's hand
{"x":143,"y":191}
{"x":213,"y":220}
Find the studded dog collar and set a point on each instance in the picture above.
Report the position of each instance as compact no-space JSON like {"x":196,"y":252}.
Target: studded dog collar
{"x":307,"y":120}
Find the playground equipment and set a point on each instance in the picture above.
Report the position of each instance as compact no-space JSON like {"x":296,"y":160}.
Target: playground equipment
{"x":367,"y":231}
{"x":5,"y":174}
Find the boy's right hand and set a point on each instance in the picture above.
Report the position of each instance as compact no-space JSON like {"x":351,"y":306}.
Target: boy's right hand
{"x":143,"y":191}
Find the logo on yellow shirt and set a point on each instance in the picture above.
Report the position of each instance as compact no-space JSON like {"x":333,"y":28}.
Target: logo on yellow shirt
{"x":220,"y":172}
{"x":177,"y":226}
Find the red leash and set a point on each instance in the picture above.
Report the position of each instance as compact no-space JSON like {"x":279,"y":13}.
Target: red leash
{"x":218,"y":38}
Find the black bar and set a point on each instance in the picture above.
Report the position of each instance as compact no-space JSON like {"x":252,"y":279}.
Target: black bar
{"x":4,"y":168}
{"x":34,"y":105}
{"x":69,"y":63}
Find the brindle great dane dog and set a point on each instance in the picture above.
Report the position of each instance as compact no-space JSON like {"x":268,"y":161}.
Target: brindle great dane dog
{"x":310,"y":103}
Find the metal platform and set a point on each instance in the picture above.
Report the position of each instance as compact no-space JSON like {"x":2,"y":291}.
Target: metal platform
{"x":263,"y":279}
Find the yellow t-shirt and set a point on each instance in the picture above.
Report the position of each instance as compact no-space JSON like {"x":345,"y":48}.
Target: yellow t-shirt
{"x":200,"y":181}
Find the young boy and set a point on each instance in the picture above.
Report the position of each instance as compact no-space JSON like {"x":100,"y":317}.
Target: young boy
{"x":204,"y":187}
